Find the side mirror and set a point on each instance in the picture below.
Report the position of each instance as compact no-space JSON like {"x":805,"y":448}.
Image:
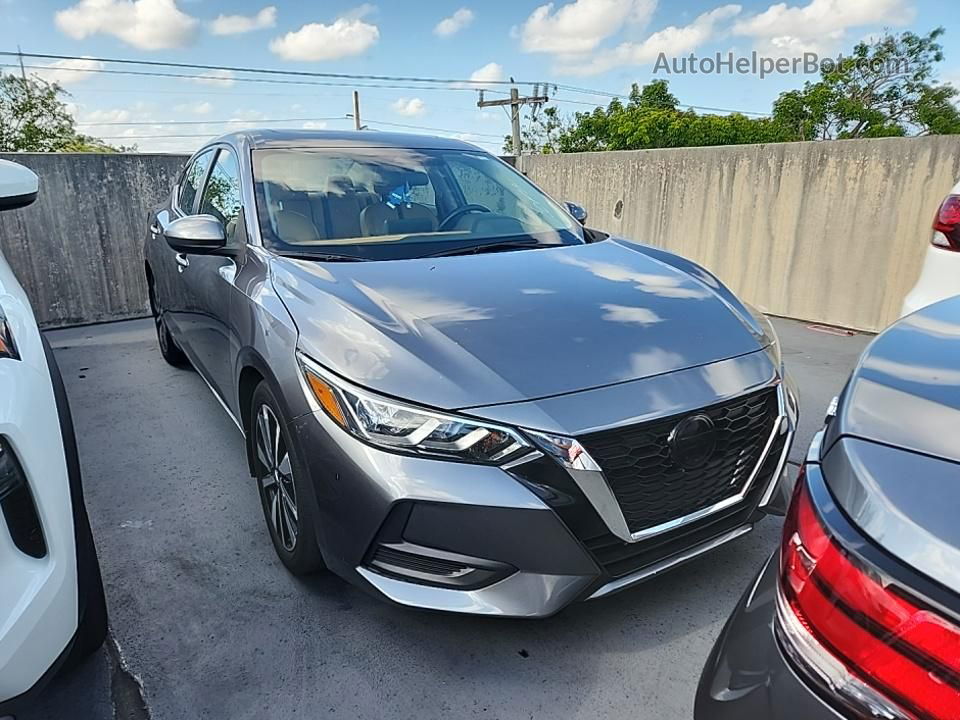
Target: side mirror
{"x":579,"y":214}
{"x":18,"y":185}
{"x":196,"y":235}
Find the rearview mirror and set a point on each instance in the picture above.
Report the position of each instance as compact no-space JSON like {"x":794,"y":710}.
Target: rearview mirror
{"x":196,"y":234}
{"x":579,"y":214}
{"x":18,"y":185}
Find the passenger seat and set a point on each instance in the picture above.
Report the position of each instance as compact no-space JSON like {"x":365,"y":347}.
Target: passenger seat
{"x":384,"y":219}
{"x":342,"y":207}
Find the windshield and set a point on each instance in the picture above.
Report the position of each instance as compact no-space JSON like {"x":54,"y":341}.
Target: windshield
{"x":392,"y":203}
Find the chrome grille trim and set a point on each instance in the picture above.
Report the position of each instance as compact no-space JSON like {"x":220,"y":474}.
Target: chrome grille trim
{"x":595,"y":487}
{"x":667,"y":563}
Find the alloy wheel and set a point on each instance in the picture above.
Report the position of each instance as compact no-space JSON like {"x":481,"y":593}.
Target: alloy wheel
{"x":276,"y":478}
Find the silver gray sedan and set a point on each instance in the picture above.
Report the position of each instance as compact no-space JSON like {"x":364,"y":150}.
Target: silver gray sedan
{"x":453,"y":393}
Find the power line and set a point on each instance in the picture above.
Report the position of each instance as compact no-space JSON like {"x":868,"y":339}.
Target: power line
{"x":152,"y":137}
{"x":201,"y":122}
{"x":694,"y":107}
{"x":425,"y":82}
{"x":432,"y":129}
{"x":266,"y":71}
{"x":160,"y":123}
{"x":214,"y":80}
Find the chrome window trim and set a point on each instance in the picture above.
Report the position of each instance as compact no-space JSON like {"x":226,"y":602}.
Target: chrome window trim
{"x":596,"y":488}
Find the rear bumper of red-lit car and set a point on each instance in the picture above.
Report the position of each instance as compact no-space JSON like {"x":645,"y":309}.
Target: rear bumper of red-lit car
{"x":833,"y":627}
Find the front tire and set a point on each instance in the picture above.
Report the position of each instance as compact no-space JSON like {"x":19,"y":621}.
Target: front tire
{"x":286,"y":497}
{"x":92,"y":625}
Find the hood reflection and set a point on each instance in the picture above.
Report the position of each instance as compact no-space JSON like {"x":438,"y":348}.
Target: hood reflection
{"x":510,"y":326}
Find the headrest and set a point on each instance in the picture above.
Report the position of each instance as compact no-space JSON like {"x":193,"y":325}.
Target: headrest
{"x":391,"y":178}
{"x":340,"y":185}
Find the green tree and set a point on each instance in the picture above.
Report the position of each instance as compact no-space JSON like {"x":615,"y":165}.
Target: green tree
{"x":540,"y":133}
{"x":884,"y":88}
{"x":34,"y":118}
{"x":651,"y":119}
{"x":654,"y":96}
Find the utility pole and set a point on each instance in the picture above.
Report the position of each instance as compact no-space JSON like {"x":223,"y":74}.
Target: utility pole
{"x":356,"y":110}
{"x":23,"y":70}
{"x":515,"y":120}
{"x":515,"y":102}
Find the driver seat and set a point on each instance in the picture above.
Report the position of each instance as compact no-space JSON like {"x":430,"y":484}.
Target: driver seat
{"x":383,"y":219}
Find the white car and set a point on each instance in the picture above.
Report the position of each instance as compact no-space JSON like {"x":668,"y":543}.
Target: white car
{"x":940,"y":276}
{"x":52,"y":610}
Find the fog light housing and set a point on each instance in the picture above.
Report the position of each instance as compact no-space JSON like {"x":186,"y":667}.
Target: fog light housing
{"x":439,"y":568}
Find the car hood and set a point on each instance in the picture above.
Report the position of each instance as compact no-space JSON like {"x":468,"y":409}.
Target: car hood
{"x":492,"y":328}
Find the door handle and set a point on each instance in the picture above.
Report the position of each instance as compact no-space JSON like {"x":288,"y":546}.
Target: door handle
{"x":182,"y":261}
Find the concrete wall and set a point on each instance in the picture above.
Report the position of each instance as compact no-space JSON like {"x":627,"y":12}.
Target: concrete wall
{"x":828,"y":232}
{"x":833,"y":232}
{"x":78,"y":251}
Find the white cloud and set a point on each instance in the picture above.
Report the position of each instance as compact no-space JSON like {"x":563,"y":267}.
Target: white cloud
{"x":410,"y":108}
{"x":222,"y":78}
{"x":67,"y":72}
{"x":491,"y":72}
{"x":346,"y":36}
{"x":455,"y":23}
{"x":671,"y":41}
{"x":579,"y":27}
{"x":820,"y":25}
{"x":144,"y":24}
{"x":238,"y":24}
{"x":115,"y":115}
{"x":198,"y":108}
{"x":359,"y":12}
{"x":314,"y":125}
{"x":247,"y":116}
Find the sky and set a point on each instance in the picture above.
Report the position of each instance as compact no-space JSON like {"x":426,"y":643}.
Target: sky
{"x":601,"y":46}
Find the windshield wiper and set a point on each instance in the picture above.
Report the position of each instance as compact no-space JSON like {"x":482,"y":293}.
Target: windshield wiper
{"x":322,"y":257}
{"x":498,"y":245}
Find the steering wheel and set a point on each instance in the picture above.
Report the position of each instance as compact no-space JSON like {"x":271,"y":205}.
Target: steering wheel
{"x":459,"y":213}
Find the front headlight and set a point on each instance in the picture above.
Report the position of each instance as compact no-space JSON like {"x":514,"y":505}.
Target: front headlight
{"x":399,"y":426}
{"x":7,"y":347}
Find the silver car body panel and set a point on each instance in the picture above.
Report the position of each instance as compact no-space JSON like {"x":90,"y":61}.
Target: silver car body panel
{"x":565,"y":340}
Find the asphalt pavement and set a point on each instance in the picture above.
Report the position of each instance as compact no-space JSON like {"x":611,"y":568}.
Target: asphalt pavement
{"x":206,"y":623}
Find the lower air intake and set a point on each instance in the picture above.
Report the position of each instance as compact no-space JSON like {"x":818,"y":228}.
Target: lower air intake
{"x":17,"y":506}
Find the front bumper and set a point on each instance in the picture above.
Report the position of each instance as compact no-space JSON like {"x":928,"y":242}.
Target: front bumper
{"x":746,"y":675}
{"x":417,"y":531}
{"x":39,"y":608}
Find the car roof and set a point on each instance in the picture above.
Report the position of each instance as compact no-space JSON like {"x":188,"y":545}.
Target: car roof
{"x":266,"y":138}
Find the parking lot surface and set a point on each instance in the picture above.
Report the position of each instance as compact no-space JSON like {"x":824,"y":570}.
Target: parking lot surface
{"x":206,"y":619}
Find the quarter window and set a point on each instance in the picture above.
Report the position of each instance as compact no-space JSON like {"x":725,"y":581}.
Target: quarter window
{"x":192,"y":179}
{"x":221,"y":196}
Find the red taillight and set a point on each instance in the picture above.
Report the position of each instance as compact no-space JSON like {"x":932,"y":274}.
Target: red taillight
{"x":947,"y":222}
{"x":888,"y":640}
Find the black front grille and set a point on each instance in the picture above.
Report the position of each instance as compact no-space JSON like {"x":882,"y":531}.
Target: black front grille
{"x":652,"y":488}
{"x":619,"y":558}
